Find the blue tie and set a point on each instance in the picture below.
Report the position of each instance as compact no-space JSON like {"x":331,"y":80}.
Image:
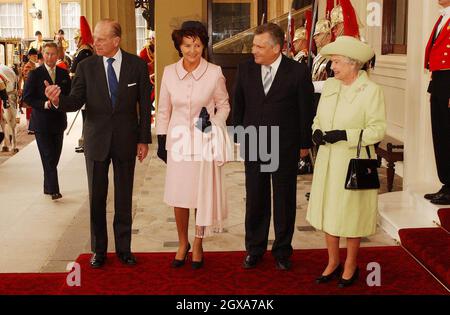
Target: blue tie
{"x":112,"y":81}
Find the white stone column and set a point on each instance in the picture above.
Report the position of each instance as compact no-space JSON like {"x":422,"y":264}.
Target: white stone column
{"x":420,"y":167}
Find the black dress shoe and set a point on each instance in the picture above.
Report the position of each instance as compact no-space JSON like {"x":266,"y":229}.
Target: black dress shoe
{"x":283,"y":264}
{"x":441,"y":199}
{"x":177,"y":263}
{"x":56,"y":196}
{"x":436,"y":194}
{"x":343,"y":283}
{"x":336,"y":273}
{"x":251,"y":261}
{"x":127,"y":258}
{"x":97,"y":260}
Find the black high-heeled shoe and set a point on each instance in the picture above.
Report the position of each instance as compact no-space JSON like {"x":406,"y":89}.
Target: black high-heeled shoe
{"x":336,"y":273}
{"x":177,"y":263}
{"x":197,"y":264}
{"x":343,"y":283}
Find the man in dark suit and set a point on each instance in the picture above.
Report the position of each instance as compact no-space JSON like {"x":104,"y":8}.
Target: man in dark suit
{"x":48,"y":126}
{"x":276,"y":92}
{"x":111,"y":85}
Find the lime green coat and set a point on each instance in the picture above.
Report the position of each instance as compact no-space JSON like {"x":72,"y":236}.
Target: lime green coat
{"x":332,"y":208}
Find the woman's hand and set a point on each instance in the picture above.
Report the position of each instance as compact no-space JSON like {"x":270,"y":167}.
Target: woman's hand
{"x":317,"y":137}
{"x":334,"y":136}
{"x":162,"y":152}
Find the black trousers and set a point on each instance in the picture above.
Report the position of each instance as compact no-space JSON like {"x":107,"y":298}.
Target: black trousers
{"x":258,"y":208}
{"x":50,"y":147}
{"x":440,"y":121}
{"x":97,"y":172}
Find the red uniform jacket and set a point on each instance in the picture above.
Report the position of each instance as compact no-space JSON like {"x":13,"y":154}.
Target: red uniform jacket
{"x":437,"y":55}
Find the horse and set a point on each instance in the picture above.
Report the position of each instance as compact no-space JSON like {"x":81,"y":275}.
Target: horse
{"x":8,"y":115}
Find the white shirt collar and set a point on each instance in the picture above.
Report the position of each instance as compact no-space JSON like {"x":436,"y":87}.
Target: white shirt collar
{"x":445,"y":11}
{"x":275,"y":65}
{"x":117,"y":57}
{"x":48,"y":68}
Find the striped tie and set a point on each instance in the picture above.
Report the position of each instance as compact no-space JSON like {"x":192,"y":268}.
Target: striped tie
{"x":53,"y":75}
{"x":267,"y":80}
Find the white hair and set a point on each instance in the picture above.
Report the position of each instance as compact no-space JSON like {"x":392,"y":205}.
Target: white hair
{"x":358,"y":64}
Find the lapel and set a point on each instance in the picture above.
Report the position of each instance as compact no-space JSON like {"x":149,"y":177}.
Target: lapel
{"x":103,"y":82}
{"x":123,"y":80}
{"x":277,"y":80}
{"x":46,"y":75}
{"x":256,"y":73}
{"x":443,"y":34}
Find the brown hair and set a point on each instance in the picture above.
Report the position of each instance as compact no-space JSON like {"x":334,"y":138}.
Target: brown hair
{"x":51,"y":45}
{"x":275,"y":32}
{"x":190,"y":29}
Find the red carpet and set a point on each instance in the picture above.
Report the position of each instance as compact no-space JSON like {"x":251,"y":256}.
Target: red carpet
{"x":32,"y":284}
{"x":431,"y":246}
{"x":444,"y":217}
{"x":223,"y":275}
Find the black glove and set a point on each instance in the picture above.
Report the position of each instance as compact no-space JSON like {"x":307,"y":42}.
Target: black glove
{"x":203,"y":120}
{"x":334,"y":136}
{"x":4,"y":98}
{"x":162,"y":152}
{"x":317,"y":137}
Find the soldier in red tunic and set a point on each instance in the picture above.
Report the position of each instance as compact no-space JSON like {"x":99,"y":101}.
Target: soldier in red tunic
{"x":147,"y":54}
{"x":85,"y":49}
{"x":437,"y":60}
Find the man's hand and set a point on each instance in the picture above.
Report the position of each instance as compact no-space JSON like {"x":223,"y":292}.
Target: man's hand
{"x":304,"y":153}
{"x":142,"y":151}
{"x":52,"y":92}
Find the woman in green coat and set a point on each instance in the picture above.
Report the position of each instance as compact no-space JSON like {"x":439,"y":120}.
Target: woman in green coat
{"x":350,"y":102}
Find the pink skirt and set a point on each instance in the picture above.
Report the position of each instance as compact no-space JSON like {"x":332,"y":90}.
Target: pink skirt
{"x":182,"y":179}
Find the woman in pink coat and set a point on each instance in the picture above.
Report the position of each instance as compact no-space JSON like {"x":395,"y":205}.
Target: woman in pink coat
{"x":187,"y":86}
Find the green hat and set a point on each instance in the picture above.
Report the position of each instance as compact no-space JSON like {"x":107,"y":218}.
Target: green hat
{"x":349,"y":47}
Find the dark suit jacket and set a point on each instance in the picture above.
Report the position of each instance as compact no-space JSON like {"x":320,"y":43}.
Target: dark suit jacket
{"x":288,"y":104}
{"x":106,"y":130}
{"x":44,"y":120}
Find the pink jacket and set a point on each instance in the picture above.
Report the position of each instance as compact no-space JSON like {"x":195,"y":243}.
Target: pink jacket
{"x":182,"y":96}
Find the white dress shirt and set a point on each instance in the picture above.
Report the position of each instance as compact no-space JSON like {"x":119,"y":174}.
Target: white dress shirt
{"x":445,"y":12}
{"x":274,"y":68}
{"x":116,"y":66}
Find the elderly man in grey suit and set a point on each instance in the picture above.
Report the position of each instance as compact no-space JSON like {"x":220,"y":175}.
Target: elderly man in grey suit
{"x":111,"y":84}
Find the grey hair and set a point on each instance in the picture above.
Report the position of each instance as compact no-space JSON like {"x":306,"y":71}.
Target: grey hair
{"x":276,"y":33}
{"x":358,"y":64}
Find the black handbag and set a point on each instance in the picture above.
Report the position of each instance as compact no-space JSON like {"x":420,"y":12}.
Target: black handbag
{"x":362,"y":173}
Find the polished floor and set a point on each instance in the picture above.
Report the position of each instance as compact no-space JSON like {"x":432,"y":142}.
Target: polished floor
{"x":40,"y":235}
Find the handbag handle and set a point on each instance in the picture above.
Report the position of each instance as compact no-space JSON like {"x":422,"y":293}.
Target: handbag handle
{"x":358,"y":154}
